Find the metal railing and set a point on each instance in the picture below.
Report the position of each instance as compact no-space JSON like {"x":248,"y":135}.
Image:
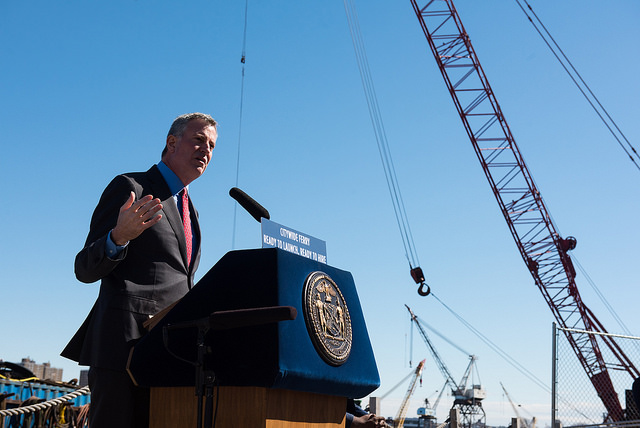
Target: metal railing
{"x":575,"y":402}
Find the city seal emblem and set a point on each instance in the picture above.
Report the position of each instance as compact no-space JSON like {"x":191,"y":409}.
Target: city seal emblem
{"x":327,"y":318}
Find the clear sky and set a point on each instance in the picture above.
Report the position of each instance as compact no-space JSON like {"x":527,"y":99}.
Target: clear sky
{"x":89,"y":90}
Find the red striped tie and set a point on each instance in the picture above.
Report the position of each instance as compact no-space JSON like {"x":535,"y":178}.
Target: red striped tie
{"x":186,"y":222}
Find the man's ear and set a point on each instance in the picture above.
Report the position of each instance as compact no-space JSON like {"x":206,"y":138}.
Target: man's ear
{"x":171,"y":143}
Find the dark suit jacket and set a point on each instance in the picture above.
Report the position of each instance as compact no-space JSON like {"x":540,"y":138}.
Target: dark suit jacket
{"x":148,"y":276}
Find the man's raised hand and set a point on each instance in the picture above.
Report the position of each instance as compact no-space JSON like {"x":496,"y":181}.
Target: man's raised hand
{"x":135,"y":217}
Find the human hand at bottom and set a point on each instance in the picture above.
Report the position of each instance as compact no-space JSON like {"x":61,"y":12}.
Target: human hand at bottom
{"x":368,"y":421}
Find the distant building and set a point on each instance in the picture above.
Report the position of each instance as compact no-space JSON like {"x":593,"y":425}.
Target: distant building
{"x":84,"y":378}
{"x":42,"y":371}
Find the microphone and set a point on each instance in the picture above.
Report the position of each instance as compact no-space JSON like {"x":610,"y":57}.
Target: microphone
{"x":249,"y":204}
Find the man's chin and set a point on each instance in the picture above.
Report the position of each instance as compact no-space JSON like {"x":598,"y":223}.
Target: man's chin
{"x":199,"y":171}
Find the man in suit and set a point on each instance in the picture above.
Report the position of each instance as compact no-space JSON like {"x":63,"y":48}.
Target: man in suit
{"x":144,"y":247}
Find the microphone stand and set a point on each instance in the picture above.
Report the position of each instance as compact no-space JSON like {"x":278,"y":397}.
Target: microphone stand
{"x":222,"y":320}
{"x":204,"y":378}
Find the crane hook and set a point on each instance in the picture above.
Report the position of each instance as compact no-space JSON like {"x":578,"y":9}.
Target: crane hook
{"x":418,"y":277}
{"x":422,"y":292}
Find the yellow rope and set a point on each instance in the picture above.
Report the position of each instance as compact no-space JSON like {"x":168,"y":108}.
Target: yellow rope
{"x":28,"y":379}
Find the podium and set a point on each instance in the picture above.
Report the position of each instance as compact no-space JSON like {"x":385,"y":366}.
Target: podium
{"x":295,"y":373}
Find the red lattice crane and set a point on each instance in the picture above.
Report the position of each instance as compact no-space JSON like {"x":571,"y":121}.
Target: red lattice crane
{"x":543,"y":250}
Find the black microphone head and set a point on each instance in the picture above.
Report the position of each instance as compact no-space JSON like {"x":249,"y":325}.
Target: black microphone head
{"x":248,"y":203}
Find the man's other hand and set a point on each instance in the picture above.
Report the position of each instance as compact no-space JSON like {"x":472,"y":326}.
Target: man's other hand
{"x":368,"y":421}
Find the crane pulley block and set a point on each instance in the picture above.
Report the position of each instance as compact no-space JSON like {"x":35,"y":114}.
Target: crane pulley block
{"x":569,"y":243}
{"x":417,"y":275}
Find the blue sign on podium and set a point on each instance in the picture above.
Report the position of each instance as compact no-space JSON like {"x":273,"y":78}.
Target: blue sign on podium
{"x":275,"y":235}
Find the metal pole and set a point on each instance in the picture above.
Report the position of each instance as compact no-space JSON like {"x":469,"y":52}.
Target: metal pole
{"x":554,"y":377}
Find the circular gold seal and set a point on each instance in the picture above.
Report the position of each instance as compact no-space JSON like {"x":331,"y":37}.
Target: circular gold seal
{"x":327,"y":318}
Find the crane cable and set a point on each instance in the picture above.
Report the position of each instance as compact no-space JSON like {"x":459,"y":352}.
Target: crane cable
{"x":441,"y":336}
{"x":383,"y":146}
{"x":603,"y":299}
{"x":508,"y":358}
{"x":582,"y":85}
{"x":242,"y":61}
{"x":393,"y":388}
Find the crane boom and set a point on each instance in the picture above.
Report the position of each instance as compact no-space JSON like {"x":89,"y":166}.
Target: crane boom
{"x":443,"y":368}
{"x":515,"y":409}
{"x":543,"y":250}
{"x":404,"y":406}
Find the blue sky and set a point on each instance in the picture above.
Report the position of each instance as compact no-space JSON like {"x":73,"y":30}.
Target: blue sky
{"x":89,"y":90}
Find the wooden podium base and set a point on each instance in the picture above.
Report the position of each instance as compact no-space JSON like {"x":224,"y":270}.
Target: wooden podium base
{"x":248,"y":407}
